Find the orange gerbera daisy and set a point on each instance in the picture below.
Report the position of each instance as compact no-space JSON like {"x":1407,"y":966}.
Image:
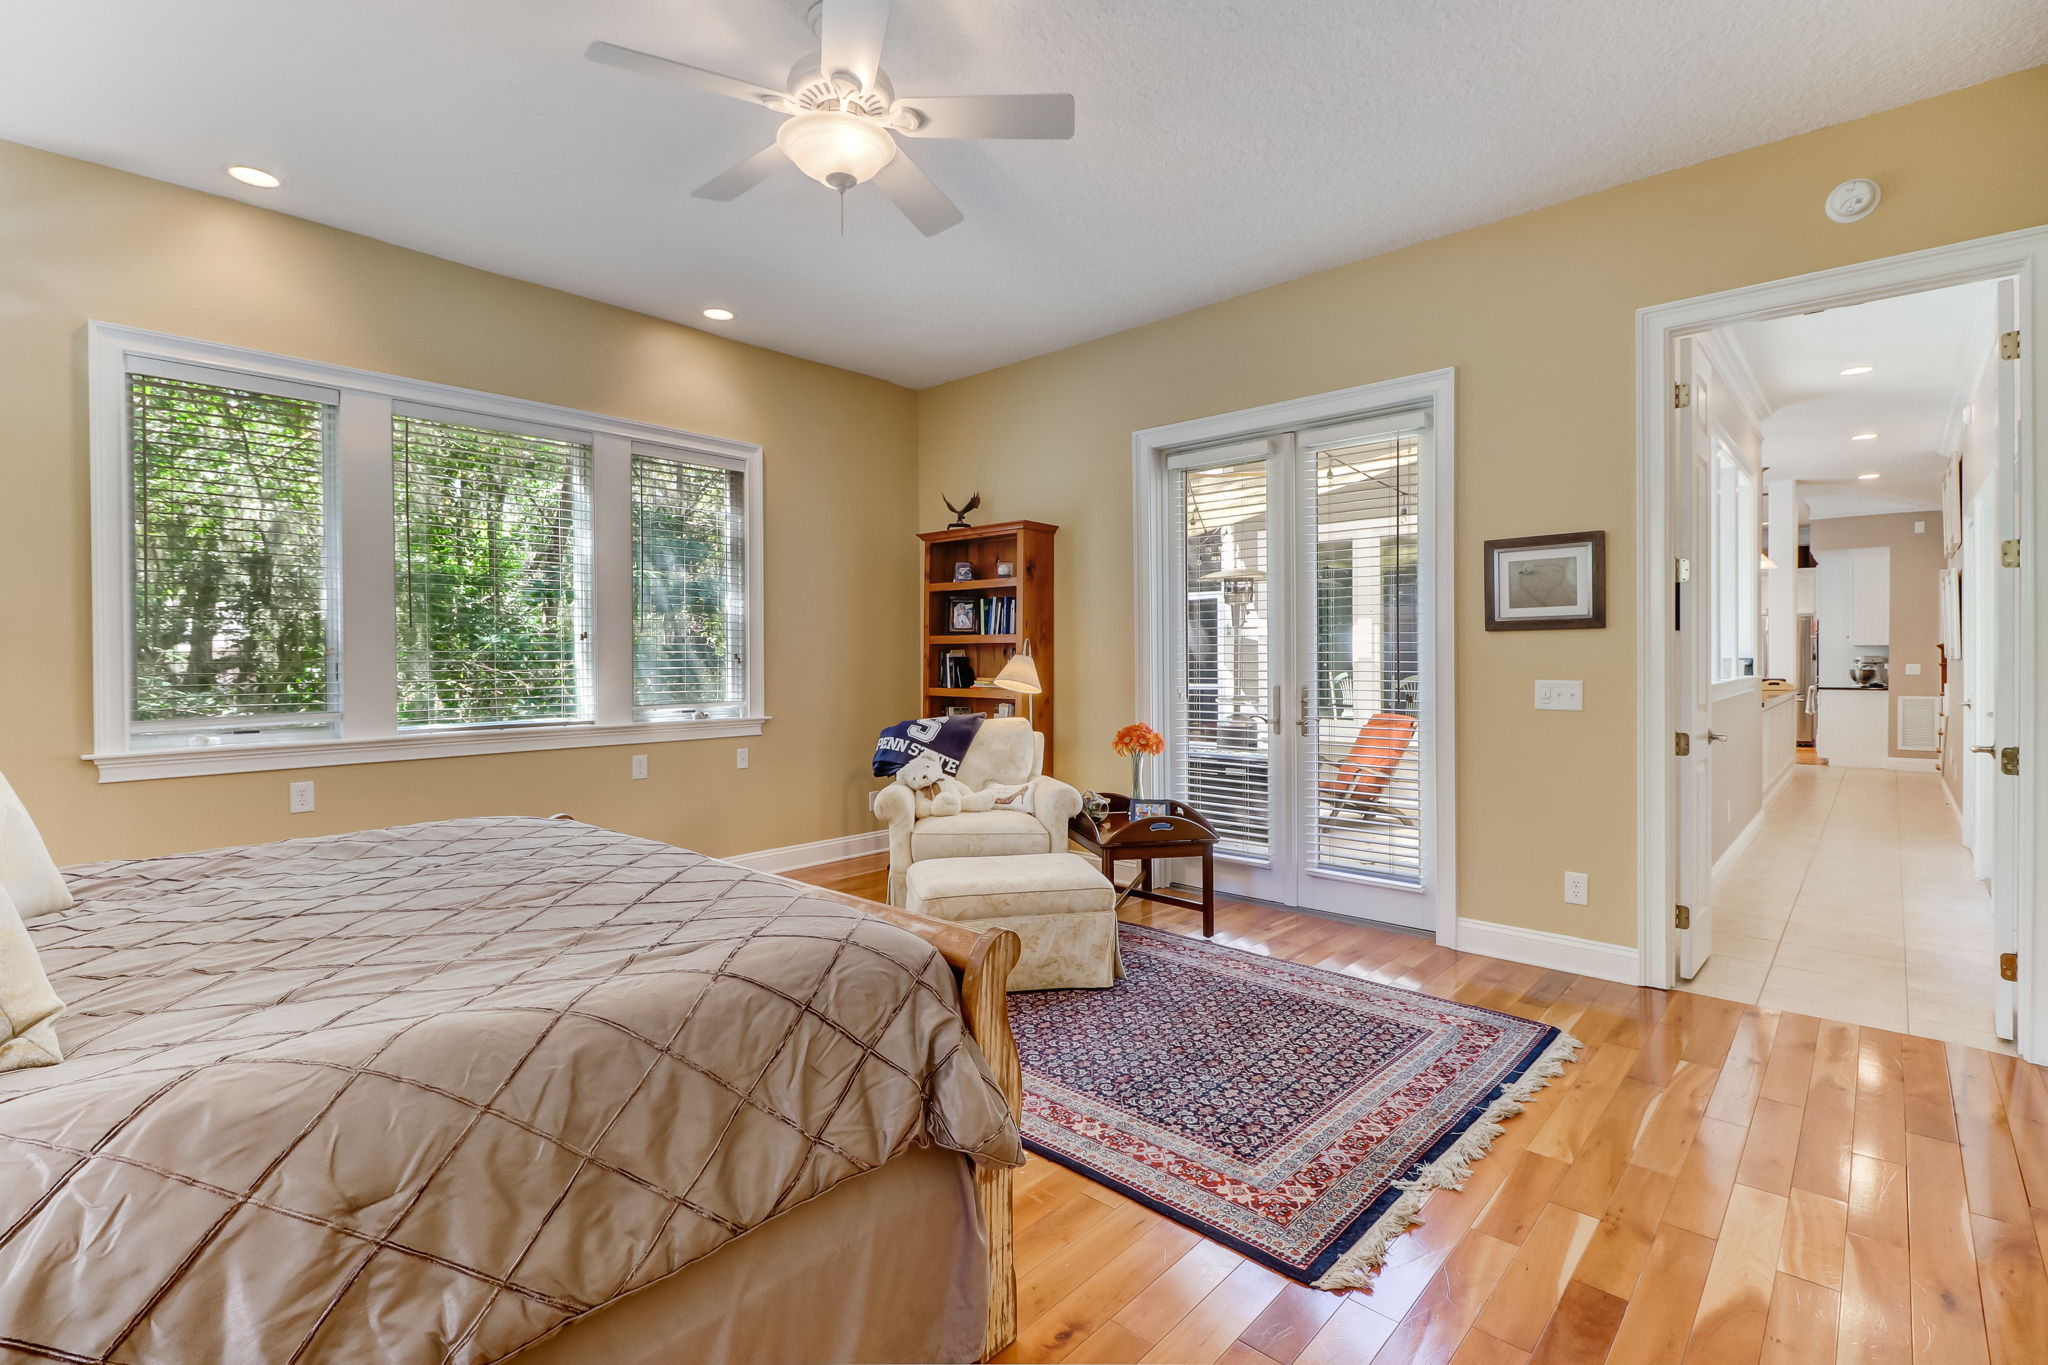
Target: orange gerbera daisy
{"x":1133,"y":740}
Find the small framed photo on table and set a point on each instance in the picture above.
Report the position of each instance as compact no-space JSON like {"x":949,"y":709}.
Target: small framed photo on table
{"x":1143,"y":809}
{"x":1547,"y":582}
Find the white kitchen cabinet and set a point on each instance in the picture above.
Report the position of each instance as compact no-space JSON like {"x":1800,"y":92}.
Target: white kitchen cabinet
{"x":1803,"y":592}
{"x":1870,"y":613}
{"x":1853,"y":729}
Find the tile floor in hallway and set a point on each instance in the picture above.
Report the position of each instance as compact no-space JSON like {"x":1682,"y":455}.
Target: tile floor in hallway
{"x":1856,"y":901}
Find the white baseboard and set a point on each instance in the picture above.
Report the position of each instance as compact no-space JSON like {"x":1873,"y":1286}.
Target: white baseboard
{"x":1913,"y":765}
{"x":1558,"y":952}
{"x":794,"y":856}
{"x":1742,"y":840}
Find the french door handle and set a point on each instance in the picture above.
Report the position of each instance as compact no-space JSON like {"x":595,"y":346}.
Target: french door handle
{"x":1983,"y":748}
{"x":1303,"y":722}
{"x":1274,"y":719}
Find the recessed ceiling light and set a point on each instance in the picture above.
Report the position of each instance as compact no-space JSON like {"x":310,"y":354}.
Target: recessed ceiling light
{"x":1864,"y":436}
{"x":719,"y":314}
{"x":249,"y":175}
{"x":1859,"y":369}
{"x":1869,"y":476}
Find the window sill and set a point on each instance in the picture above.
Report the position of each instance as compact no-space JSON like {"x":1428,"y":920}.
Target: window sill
{"x":329,"y":753}
{"x":1734,"y":687}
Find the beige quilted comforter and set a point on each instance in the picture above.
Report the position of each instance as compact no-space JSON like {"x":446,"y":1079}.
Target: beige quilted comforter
{"x":425,"y":1094}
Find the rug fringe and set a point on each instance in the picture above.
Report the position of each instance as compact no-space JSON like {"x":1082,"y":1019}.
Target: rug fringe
{"x":1354,"y":1269}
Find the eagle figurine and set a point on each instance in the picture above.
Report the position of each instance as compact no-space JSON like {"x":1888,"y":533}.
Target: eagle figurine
{"x":960,"y":513}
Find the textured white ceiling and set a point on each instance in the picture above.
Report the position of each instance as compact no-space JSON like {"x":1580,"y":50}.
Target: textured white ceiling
{"x":1224,"y":144}
{"x":1926,"y":350}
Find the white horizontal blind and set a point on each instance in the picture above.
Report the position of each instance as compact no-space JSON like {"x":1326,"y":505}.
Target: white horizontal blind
{"x":689,"y":586}
{"x":1222,"y":734}
{"x":493,"y":537}
{"x":1365,"y":773}
{"x":233,"y":575}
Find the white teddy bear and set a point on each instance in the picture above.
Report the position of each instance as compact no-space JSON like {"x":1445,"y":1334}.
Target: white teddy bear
{"x":936,"y":793}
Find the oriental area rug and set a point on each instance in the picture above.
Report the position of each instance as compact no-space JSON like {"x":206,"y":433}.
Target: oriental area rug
{"x":1299,"y":1116}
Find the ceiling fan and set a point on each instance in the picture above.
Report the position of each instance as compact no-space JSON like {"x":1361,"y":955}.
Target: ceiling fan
{"x":843,"y":117}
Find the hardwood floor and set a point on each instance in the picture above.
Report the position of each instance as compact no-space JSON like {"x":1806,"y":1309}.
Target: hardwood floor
{"x":1711,"y":1181}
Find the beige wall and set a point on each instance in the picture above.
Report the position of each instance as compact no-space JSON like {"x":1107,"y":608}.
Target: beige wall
{"x":80,"y":242}
{"x":1916,"y":564}
{"x":1537,"y":314}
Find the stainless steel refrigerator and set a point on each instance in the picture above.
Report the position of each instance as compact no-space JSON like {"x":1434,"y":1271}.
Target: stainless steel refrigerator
{"x":1809,"y":677}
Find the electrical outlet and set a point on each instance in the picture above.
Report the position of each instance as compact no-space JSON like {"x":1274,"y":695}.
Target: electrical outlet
{"x":1575,"y":888}
{"x":1912,"y":670}
{"x":302,"y":797}
{"x":1560,"y":695}
{"x":639,"y":766}
{"x":739,"y":758}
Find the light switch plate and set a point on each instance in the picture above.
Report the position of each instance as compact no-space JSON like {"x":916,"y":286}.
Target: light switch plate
{"x":740,"y":758}
{"x":1912,"y":670}
{"x":1553,"y":694}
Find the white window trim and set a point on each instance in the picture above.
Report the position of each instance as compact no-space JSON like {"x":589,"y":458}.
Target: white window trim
{"x":368,"y":622}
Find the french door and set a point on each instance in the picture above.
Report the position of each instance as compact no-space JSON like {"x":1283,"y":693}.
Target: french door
{"x":1300,"y":656}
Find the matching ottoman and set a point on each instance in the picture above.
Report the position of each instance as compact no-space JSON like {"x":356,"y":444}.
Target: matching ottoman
{"x":1059,"y":904}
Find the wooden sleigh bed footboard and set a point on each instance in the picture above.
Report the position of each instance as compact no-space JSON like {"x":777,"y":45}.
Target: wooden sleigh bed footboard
{"x":981,"y":960}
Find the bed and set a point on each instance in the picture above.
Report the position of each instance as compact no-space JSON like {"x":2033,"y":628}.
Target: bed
{"x":506,"y":1088}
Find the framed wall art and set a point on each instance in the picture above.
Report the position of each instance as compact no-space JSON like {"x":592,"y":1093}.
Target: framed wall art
{"x":1547,"y":582}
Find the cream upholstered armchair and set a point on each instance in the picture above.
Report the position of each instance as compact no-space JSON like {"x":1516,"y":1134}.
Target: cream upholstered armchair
{"x":1006,"y":752}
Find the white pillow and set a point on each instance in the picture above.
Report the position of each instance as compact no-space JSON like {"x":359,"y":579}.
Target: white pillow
{"x":28,"y":1007}
{"x":26,"y":871}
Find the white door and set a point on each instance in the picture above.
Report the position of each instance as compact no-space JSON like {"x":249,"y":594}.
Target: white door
{"x":1980,"y":616}
{"x":1691,"y":535}
{"x":2005,"y":669}
{"x":1300,"y":723}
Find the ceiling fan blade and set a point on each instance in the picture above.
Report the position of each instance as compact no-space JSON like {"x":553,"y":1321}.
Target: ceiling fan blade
{"x":973,"y":116}
{"x":850,"y":37}
{"x":661,"y":68}
{"x":743,"y":177}
{"x":911,"y":190}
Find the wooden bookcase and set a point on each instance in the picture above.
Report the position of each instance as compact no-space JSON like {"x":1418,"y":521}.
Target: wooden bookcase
{"x":1027,"y":547}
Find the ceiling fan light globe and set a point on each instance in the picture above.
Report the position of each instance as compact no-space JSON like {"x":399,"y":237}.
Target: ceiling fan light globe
{"x":826,"y":143}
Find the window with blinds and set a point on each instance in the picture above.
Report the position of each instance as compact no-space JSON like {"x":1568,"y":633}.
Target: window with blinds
{"x":493,"y":530}
{"x":480,"y":574}
{"x":1365,"y":773}
{"x":233,"y":572}
{"x":689,"y":587}
{"x":1224,"y":701}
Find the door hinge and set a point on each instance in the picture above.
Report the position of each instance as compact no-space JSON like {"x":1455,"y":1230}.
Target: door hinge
{"x":2008,"y":345}
{"x":2008,"y":554}
{"x":1681,"y":744}
{"x":1683,"y":919}
{"x":2009,"y":760}
{"x":2008,"y":966}
{"x":1681,"y":395}
{"x":1684,"y":571}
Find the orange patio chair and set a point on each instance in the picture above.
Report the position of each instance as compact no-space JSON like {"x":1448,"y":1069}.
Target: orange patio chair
{"x":1356,"y":781}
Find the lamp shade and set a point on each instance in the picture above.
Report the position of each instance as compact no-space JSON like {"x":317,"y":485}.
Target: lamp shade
{"x":1020,"y":675}
{"x":825,"y":143}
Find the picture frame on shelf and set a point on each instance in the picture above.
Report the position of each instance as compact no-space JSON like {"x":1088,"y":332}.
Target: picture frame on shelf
{"x":1006,"y":708}
{"x":1553,"y":582}
{"x":958,"y":711}
{"x":963,"y":615}
{"x":963,"y":572}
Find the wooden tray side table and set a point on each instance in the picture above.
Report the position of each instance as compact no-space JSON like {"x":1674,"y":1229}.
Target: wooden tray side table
{"x":1183,"y":833}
